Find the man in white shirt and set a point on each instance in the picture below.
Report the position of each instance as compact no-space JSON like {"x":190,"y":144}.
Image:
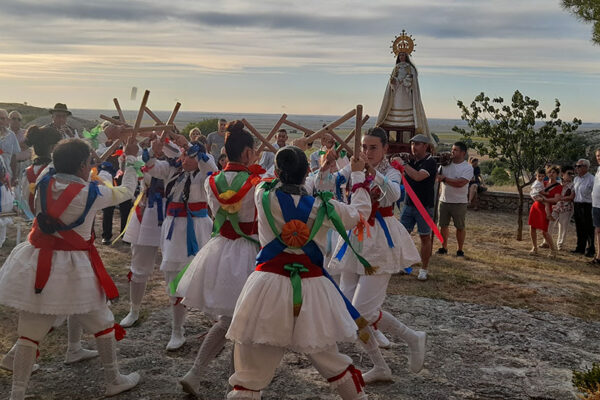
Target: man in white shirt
{"x":9,"y":146}
{"x":454,"y":197}
{"x":596,"y":210}
{"x":582,"y":185}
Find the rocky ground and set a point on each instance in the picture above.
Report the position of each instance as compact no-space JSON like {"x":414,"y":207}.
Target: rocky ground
{"x":473,"y":352}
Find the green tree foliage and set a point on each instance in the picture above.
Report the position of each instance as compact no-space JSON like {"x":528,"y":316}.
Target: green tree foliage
{"x":206,"y":126}
{"x":587,"y":11}
{"x":510,"y":135}
{"x":499,"y":176}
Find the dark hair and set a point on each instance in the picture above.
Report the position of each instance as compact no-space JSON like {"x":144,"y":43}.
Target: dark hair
{"x":42,"y":140}
{"x":69,"y":155}
{"x":236,"y":140}
{"x":461,"y":145}
{"x":378,"y":132}
{"x":566,"y":168}
{"x":554,"y":168}
{"x":291,"y":165}
{"x":408,"y":60}
{"x":282,"y":130}
{"x":541,"y":171}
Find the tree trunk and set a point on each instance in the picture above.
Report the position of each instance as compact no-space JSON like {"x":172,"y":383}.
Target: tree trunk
{"x":520,"y":213}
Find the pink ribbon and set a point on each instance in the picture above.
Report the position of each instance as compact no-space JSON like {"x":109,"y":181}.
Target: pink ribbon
{"x":418,"y":204}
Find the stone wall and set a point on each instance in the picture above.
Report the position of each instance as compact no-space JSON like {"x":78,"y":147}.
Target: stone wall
{"x":503,"y":201}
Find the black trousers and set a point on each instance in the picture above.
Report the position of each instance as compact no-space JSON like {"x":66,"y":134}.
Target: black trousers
{"x":584,"y":227}
{"x":107,"y":218}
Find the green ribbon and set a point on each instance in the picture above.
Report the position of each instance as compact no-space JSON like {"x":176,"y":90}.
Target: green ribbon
{"x":295,"y":269}
{"x":175,"y":282}
{"x":137,"y":165}
{"x":222,"y":215}
{"x":92,"y":135}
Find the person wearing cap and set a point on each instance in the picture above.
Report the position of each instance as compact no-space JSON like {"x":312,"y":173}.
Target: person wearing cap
{"x":9,"y":146}
{"x":60,"y":113}
{"x":420,"y":174}
{"x":454,"y":197}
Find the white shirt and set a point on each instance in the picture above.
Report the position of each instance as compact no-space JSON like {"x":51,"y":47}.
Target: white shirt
{"x":451,"y":194}
{"x":583,"y":188}
{"x":596,"y":190}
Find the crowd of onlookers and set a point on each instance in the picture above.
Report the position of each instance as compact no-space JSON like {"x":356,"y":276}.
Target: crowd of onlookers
{"x":563,"y":193}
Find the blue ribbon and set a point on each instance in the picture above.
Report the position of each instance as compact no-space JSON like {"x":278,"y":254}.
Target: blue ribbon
{"x":198,"y":150}
{"x":339,"y":181}
{"x":386,"y":231}
{"x":192,"y":243}
{"x":145,"y":155}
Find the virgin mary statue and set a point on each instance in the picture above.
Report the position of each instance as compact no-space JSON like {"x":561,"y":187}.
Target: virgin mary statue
{"x":402,"y":110}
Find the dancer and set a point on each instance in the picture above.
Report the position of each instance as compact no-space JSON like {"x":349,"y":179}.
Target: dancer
{"x":187,"y":226}
{"x":213,"y":284}
{"x":143,"y":232}
{"x":288,"y":302}
{"x":385,"y":244}
{"x":64,"y":266}
{"x":43,"y":141}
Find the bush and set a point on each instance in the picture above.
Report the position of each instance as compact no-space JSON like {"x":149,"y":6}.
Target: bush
{"x":206,"y":126}
{"x":587,"y":381}
{"x":488,"y":166}
{"x":499,"y":176}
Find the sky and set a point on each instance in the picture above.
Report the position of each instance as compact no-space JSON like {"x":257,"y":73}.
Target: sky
{"x":297,"y":57}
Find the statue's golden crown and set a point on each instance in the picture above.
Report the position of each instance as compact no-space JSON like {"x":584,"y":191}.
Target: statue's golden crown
{"x":403,"y":44}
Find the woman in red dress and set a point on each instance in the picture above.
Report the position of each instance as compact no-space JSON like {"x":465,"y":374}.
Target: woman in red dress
{"x":538,"y":219}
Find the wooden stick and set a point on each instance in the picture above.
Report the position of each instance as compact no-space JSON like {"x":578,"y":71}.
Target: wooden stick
{"x":112,"y":120}
{"x":329,"y":128}
{"x":341,"y":141}
{"x":351,"y":134}
{"x":357,"y":129}
{"x":273,"y":132}
{"x":113,"y":147}
{"x":140,"y":115}
{"x":170,"y":120}
{"x":153,"y":116}
{"x":300,"y":127}
{"x":119,"y":111}
{"x":259,"y":136}
{"x":148,"y":128}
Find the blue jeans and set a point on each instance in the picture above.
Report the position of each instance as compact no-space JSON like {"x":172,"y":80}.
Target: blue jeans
{"x":411,"y":216}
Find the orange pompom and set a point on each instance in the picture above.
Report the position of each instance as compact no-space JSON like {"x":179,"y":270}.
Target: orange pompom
{"x":295,"y":233}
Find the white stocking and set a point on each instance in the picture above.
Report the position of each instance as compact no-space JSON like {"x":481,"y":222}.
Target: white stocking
{"x":414,"y":339}
{"x":114,"y":380}
{"x":380,"y":370}
{"x":25,"y":353}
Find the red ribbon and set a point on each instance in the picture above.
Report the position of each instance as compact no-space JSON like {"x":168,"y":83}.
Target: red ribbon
{"x":119,"y":332}
{"x":37,"y":350}
{"x":249,"y":228}
{"x":357,"y":378}
{"x":418,"y":204}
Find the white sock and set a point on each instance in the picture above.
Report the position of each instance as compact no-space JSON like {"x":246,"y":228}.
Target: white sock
{"x":211,"y":345}
{"x":136,"y":294}
{"x":25,"y":353}
{"x":74,"y":333}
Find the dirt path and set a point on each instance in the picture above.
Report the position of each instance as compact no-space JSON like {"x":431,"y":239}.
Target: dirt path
{"x":474,"y":352}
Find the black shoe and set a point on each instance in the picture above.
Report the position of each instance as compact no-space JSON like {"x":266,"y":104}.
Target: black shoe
{"x":460,"y":253}
{"x":442,"y":250}
{"x":105,"y":241}
{"x":590,"y":253}
{"x":577,"y":251}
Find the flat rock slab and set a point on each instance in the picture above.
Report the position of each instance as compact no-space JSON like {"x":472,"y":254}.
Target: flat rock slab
{"x":473,"y":352}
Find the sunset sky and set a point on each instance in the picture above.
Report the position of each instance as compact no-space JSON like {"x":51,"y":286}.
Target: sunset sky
{"x":298,"y":57}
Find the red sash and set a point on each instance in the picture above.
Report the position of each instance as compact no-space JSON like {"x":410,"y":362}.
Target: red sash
{"x":70,"y":241}
{"x":384,"y":211}
{"x":276,"y":264}
{"x":178,"y":209}
{"x":249,"y":228}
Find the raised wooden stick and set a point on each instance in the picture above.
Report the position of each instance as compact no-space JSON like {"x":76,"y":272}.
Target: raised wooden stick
{"x":108,"y":152}
{"x":170,"y":120}
{"x":153,"y":116}
{"x":119,"y":111}
{"x":112,"y":120}
{"x":138,"y":120}
{"x":357,"y":129}
{"x":273,"y":132}
{"x":300,"y":127}
{"x":259,"y":136}
{"x":329,"y":128}
{"x":351,"y":134}
{"x":340,"y":141}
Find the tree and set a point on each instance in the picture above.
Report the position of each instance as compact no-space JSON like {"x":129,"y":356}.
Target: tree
{"x":206,"y":126}
{"x":509,"y":133}
{"x":587,"y":11}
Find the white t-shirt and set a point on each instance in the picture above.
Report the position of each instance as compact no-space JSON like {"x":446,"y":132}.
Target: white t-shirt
{"x":451,"y":194}
{"x":596,"y":190}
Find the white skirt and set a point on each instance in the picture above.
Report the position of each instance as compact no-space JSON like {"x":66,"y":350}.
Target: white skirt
{"x":377,"y":251}
{"x":72,"y":287}
{"x":264,"y":314}
{"x":147,"y":232}
{"x":216,"y":276}
{"x":174,"y":251}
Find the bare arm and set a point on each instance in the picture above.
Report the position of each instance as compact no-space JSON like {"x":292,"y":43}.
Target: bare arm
{"x":414,"y":174}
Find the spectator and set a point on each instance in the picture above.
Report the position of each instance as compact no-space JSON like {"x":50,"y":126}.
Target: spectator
{"x":60,"y":113}
{"x":267,"y":159}
{"x":9,"y":146}
{"x":563,"y":210}
{"x":222,"y":161}
{"x":583,"y":184}
{"x":216,"y":140}
{"x":420,"y":175}
{"x":327,"y":143}
{"x":195,"y":134}
{"x":24,"y":156}
{"x":596,"y":209}
{"x":476,"y":184}
{"x":538,"y":217}
{"x":454,"y":197}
